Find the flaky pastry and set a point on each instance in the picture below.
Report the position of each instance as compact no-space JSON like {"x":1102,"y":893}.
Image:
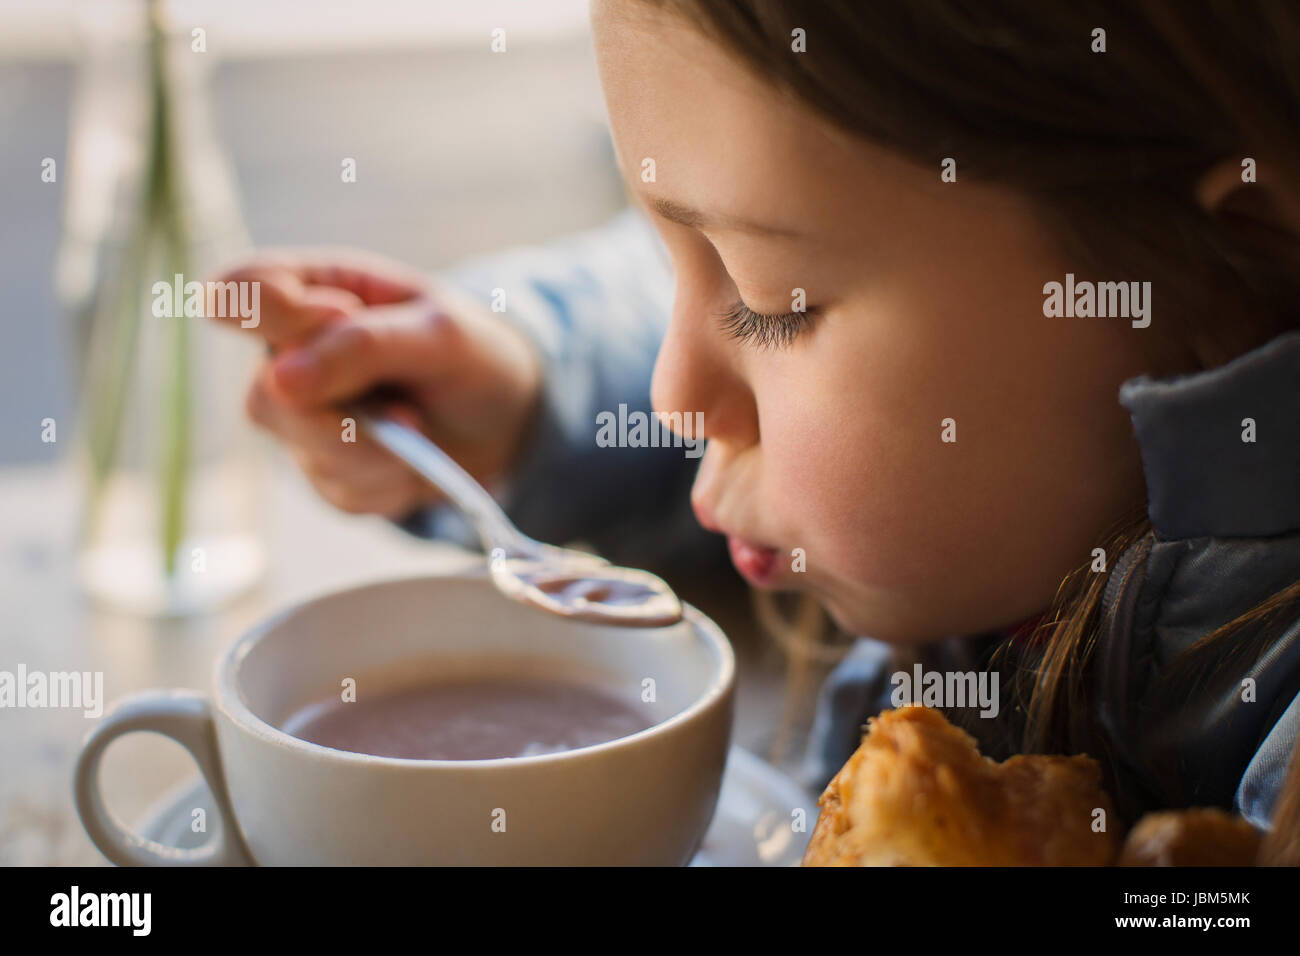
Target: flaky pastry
{"x":917,"y":792}
{"x":1198,"y":837}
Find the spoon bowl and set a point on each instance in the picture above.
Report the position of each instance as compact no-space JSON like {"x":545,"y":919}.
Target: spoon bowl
{"x":602,"y":594}
{"x":560,"y":581}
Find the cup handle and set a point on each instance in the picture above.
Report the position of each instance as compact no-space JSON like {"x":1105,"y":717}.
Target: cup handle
{"x":185,"y":717}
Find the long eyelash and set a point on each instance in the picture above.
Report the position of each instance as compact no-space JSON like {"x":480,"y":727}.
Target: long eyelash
{"x":764,"y":331}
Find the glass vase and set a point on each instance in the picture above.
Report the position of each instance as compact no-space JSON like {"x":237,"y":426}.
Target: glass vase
{"x":173,"y":483}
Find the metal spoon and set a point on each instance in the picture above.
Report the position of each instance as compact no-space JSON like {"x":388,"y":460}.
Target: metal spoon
{"x":562,"y":581}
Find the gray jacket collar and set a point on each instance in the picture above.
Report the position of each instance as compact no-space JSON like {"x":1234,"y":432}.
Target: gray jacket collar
{"x":1202,"y":477}
{"x":1225,"y":514}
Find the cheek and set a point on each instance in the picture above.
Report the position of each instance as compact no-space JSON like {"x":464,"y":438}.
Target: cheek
{"x":855,"y":467}
{"x":855,"y":470}
{"x":840,"y":475}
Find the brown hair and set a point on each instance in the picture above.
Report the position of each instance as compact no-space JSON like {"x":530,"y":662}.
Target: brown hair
{"x":1111,"y":146}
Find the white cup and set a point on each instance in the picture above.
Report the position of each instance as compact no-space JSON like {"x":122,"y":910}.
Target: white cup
{"x":644,"y":799}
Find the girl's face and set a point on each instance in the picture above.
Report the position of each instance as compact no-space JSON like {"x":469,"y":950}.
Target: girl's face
{"x":924,"y":303}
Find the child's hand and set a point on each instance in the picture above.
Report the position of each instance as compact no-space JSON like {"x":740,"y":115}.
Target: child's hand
{"x":338,"y":327}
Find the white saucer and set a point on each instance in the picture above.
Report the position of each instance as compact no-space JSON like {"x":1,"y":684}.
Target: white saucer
{"x":752,"y":826}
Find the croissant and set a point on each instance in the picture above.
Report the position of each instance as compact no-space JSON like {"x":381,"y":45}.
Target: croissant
{"x":917,"y":792}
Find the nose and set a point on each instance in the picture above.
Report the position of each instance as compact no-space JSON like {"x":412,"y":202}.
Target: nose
{"x":698,"y":371}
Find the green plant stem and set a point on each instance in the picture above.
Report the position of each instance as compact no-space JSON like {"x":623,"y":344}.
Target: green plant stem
{"x":120,"y":310}
{"x":108,"y":377}
{"x":175,"y":451}
{"x":160,"y":221}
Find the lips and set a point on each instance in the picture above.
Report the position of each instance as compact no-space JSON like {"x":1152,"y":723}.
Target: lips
{"x":756,"y":562}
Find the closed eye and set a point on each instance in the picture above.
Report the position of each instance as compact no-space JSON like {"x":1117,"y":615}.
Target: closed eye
{"x":765,"y":331}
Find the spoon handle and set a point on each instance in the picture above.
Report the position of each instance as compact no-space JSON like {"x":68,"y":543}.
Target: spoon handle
{"x":494,"y":529}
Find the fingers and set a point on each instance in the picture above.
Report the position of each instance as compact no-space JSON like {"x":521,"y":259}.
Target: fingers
{"x":288,"y":310}
{"x":321,"y":434}
{"x":301,"y":291}
{"x":393,"y":497}
{"x":370,"y":277}
{"x":371,"y":287}
{"x":348,"y":469}
{"x":396,"y":344}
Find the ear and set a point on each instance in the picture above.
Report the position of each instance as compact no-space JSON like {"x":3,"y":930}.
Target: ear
{"x":1267,"y":208}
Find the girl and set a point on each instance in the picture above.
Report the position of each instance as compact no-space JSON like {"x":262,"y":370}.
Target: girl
{"x":993,"y":319}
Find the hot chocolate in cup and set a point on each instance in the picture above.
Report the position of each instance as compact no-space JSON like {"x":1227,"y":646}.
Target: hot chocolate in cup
{"x":644,"y":797}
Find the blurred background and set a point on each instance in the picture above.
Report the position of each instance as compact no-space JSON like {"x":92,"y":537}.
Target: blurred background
{"x":458,"y":151}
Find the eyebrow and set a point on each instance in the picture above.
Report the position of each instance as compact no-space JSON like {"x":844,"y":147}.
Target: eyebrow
{"x":687,"y":216}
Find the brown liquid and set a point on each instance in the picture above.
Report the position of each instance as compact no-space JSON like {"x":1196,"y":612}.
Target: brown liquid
{"x":470,"y":720}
